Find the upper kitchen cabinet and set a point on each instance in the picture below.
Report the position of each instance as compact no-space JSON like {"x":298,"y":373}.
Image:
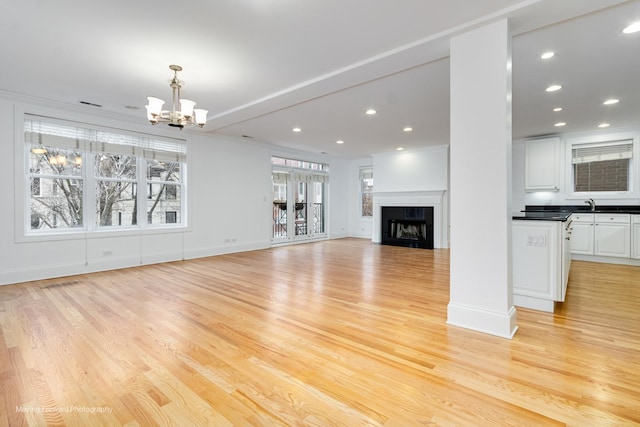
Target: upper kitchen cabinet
{"x":542,"y":162}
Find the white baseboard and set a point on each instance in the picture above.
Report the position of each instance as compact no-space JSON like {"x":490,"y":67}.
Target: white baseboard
{"x":226,"y":249}
{"x":478,"y":319}
{"x":606,"y":259}
{"x":51,"y":271}
{"x":534,"y":303}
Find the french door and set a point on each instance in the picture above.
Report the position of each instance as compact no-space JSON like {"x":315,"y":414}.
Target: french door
{"x":298,"y":206}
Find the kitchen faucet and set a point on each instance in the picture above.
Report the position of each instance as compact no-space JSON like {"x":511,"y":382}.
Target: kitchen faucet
{"x":592,"y":204}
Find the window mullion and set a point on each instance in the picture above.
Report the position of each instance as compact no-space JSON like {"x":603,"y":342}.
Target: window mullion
{"x":141,"y":193}
{"x":89,"y":192}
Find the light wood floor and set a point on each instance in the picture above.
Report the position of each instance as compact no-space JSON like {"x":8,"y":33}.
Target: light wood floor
{"x":335,"y":333}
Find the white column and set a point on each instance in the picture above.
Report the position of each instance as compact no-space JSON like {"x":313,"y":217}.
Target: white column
{"x":481,"y":283}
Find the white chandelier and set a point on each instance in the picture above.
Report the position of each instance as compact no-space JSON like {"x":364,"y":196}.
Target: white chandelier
{"x":186,"y":116}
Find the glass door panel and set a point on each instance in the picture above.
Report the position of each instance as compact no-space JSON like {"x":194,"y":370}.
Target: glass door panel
{"x":301,"y":210}
{"x":279,"y":209}
{"x":318,"y":208}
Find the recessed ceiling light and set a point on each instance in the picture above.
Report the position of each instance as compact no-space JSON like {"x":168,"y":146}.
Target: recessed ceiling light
{"x":604,"y":125}
{"x":370,"y":112}
{"x":399,"y":149}
{"x":553,"y":88}
{"x":297,"y":129}
{"x":339,"y":141}
{"x":560,"y":124}
{"x":633,"y":28}
{"x":547,"y":55}
{"x":557,"y":109}
{"x":611,"y":101}
{"x":407,"y":129}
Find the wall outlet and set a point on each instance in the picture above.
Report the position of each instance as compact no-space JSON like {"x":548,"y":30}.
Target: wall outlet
{"x":537,"y":240}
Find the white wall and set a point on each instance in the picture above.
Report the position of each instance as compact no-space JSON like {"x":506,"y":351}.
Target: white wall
{"x":339,"y":201}
{"x":564,"y":196}
{"x":229,"y":203}
{"x":411,"y":170}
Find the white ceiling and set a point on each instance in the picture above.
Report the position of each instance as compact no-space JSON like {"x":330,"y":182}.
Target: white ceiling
{"x":262,"y":67}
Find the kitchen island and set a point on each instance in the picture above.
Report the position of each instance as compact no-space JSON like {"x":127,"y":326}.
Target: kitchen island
{"x":600,"y":233}
{"x":541,"y":258}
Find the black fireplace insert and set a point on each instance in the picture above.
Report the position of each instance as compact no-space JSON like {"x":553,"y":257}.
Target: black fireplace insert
{"x":410,"y":226}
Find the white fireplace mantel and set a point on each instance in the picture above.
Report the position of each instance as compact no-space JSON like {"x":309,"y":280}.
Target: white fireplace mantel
{"x":435,"y":199}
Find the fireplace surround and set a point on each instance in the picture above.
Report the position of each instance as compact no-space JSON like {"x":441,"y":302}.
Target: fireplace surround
{"x":409,"y":226}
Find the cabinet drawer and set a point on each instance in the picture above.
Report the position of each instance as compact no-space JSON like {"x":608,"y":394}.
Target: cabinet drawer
{"x":636,"y":219}
{"x":583,"y":217}
{"x":613,"y":218}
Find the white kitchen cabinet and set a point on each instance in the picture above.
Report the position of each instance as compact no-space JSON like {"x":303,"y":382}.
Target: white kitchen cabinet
{"x":635,"y":237}
{"x":582,"y":235}
{"x":613,"y":235}
{"x":541,"y":260}
{"x":542,"y":164}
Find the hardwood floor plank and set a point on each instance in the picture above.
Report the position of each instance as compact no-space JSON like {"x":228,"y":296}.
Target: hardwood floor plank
{"x":334,"y":333}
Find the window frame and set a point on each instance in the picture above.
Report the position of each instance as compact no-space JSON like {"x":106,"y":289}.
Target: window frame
{"x":89,"y":230}
{"x":634,"y":166}
{"x":361,"y":171}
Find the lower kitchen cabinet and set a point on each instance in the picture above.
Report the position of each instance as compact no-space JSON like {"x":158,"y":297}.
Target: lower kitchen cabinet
{"x":582,"y":236}
{"x":607,"y":235}
{"x":613,"y":235}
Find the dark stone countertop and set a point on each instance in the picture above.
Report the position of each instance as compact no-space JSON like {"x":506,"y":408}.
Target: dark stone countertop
{"x":630,"y":209}
{"x":562,"y":212}
{"x":543,"y":216}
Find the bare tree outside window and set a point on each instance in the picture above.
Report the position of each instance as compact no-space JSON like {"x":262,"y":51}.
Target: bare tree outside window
{"x":115,"y":198}
{"x":57,"y":175}
{"x":366,"y":191}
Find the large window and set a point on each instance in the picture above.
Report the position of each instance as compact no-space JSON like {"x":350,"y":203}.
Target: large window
{"x":602,"y":167}
{"x":83,"y":178}
{"x":366,"y":191}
